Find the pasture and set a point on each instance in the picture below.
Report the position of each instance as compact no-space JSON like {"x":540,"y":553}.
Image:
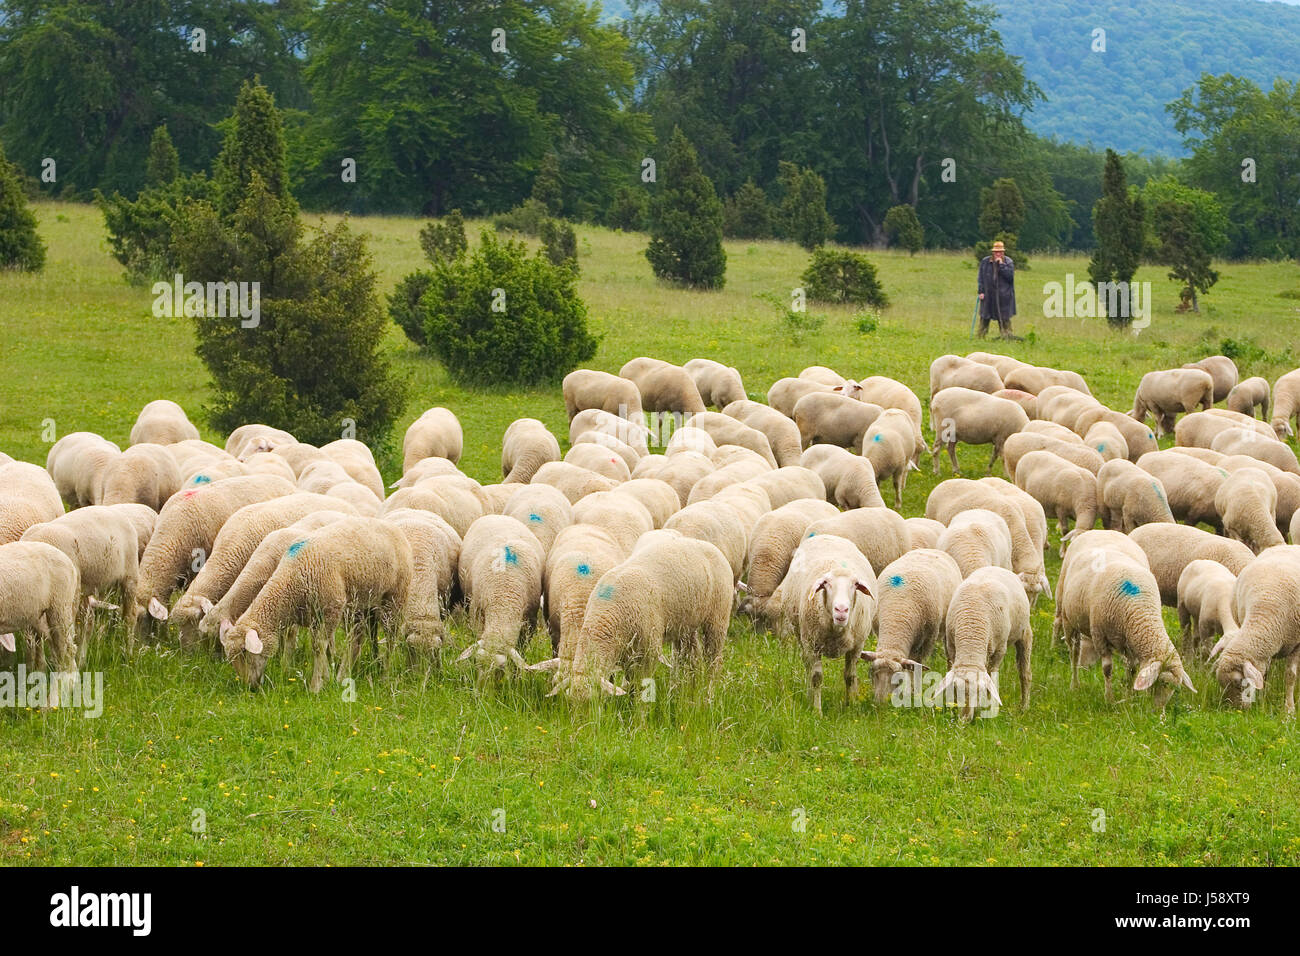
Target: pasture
{"x":187,"y":767}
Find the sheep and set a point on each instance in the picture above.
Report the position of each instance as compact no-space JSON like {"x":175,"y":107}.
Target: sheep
{"x":299,"y":455}
{"x":1128,"y":497}
{"x":924,"y":532}
{"x":621,"y":448}
{"x":888,"y":393}
{"x":621,"y":515}
{"x":786,"y":392}
{"x":850,"y":479}
{"x":359,"y":463}
{"x":1171,"y":547}
{"x":808,"y":562}
{"x":435,"y":434}
{"x":142,"y":518}
{"x":268,"y":463}
{"x":587,"y":388}
{"x":75,"y":463}
{"x":1190,"y":485}
{"x":775,"y":537}
{"x":1026,"y":400}
{"x":1265,"y":602}
{"x":1246,"y":396}
{"x":1223,"y":371}
{"x":977,"y":538}
{"x":575,"y":482}
{"x":1063,"y":405}
{"x":632,"y":432}
{"x":718,"y":384}
{"x":457,"y":504}
{"x":834,"y":617}
{"x":1247,"y":504}
{"x":1107,"y":440}
{"x":823,"y":376}
{"x":726,"y":430}
{"x":425,"y":468}
{"x":671,"y":589}
{"x":252,"y":438}
{"x":435,"y":559}
{"x":600,"y":460}
{"x":1239,"y":441}
{"x":880,"y":534}
{"x":360,"y":499}
{"x":659,"y":498}
{"x":912,"y":600}
{"x":1199,"y":429}
{"x":834,"y":419}
{"x":782,"y":434}
{"x":1075,"y":452}
{"x":1063,"y":489}
{"x":28,"y":496}
{"x":580,"y":554}
{"x":542,"y":509}
{"x":1005,"y":364}
{"x":1115,"y":606}
{"x":1286,"y":483}
{"x":497,"y":497}
{"x":257,"y":571}
{"x":353,"y":568}
{"x":1050,"y":430}
{"x":681,"y":471}
{"x":948,"y":371}
{"x":750,"y":500}
{"x":691,"y":439}
{"x":1170,"y":392}
{"x":500,"y":574}
{"x":162,"y":422}
{"x":210,"y":471}
{"x":185,"y":532}
{"x":789,"y":484}
{"x":715,"y":521}
{"x":1139,"y":437}
{"x":143,"y":474}
{"x":40,"y":590}
{"x":233,"y":545}
{"x":724,"y":455}
{"x":1286,"y":405}
{"x":890,"y":446}
{"x":525,"y":447}
{"x":193,"y":455}
{"x":966,"y":415}
{"x":317,"y":476}
{"x":102,"y":541}
{"x":1035,"y":378}
{"x":1205,"y":590}
{"x":955,"y":495}
{"x":664,"y":387}
{"x":731,"y":474}
{"x":988,"y":611}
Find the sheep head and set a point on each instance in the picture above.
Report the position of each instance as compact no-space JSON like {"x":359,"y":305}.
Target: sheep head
{"x":838,"y":592}
{"x":1241,"y":678}
{"x":887,"y":672}
{"x":1165,"y":676}
{"x":246,"y":650}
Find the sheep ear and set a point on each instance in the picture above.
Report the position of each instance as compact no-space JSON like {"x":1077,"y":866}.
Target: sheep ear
{"x":936,"y":695}
{"x":1221,"y":645}
{"x":609,"y":687}
{"x":252,"y":643}
{"x":824,"y":580}
{"x":464,"y":655}
{"x":1047,"y":586}
{"x":226,"y":625}
{"x":1253,"y":674}
{"x":545,"y":666}
{"x":867,"y":656}
{"x":987,"y":681}
{"x":1147,"y":675}
{"x":205,"y":604}
{"x":864,"y":587}
{"x":157,"y":609}
{"x":94,"y":602}
{"x":1184,"y":680}
{"x":8,"y":643}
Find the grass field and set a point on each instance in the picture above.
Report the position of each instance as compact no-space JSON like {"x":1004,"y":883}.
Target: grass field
{"x":187,"y":767}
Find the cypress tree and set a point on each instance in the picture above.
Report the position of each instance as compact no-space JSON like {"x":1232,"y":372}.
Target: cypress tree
{"x":686,"y":221}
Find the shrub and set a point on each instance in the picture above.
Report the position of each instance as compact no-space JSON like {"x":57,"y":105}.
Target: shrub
{"x":748,"y":214}
{"x":686,"y":222}
{"x":866,"y":322}
{"x":404,"y":304}
{"x":629,"y":210}
{"x":904,"y":229}
{"x":140,"y":230}
{"x":794,"y":324}
{"x":444,"y":240}
{"x":498,"y":316}
{"x":560,"y":244}
{"x":526,"y":218}
{"x":20,"y":245}
{"x":837,"y":275}
{"x":803,"y":217}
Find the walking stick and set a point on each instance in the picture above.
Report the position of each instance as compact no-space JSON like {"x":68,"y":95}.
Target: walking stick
{"x":974,"y":317}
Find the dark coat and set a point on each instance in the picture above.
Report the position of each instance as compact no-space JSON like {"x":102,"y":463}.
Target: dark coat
{"x":998,"y":285}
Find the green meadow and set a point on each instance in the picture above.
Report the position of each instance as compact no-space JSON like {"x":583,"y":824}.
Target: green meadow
{"x":186,"y":767}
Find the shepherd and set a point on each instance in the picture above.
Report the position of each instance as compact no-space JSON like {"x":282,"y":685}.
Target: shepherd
{"x":997,"y":290}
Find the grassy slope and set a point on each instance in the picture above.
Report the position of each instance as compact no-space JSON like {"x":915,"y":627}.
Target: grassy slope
{"x":417,"y":767}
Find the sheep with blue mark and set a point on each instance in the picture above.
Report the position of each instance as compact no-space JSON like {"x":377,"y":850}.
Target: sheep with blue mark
{"x":879,"y":533}
{"x":500,"y":574}
{"x":1190,"y":485}
{"x":435,"y":556}
{"x":890,"y":445}
{"x":1128,"y":497}
{"x":1106,"y":440}
{"x":580,"y":554}
{"x":543,"y":510}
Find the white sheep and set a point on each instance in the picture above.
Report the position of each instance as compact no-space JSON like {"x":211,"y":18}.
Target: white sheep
{"x":1128,"y":497}
{"x":76,"y":462}
{"x":719,"y":385}
{"x":925,"y":532}
{"x":143,"y":474}
{"x":782,"y":433}
{"x":680,"y":471}
{"x":966,"y":415}
{"x":103,"y":542}
{"x":578,"y":557}
{"x":39,"y":593}
{"x":1024,"y":442}
{"x":948,"y":371}
{"x":1107,"y":440}
{"x":1224,"y":372}
{"x":162,"y":422}
{"x":890,"y":445}
{"x":1168,"y":393}
{"x":786,"y":392}
{"x":586,"y":388}
{"x":526,"y":446}
{"x":834,"y":419}
{"x":658,"y":497}
{"x":1266,"y":600}
{"x":1190,"y":485}
{"x":1063,"y":489}
{"x":621,"y":448}
{"x":1035,"y":378}
{"x":835,"y":616}
{"x":850,"y":479}
{"x":435,"y":559}
{"x":541,"y":509}
{"x":775,"y":537}
{"x":28,"y":496}
{"x":444,"y":495}
{"x":630,"y":431}
{"x":987,"y":612}
{"x":1247,"y":506}
{"x":1169,"y":548}
{"x":663,"y":387}
{"x":600,"y":460}
{"x":977,"y":538}
{"x":1286,"y":405}
{"x":247,"y":439}
{"x":1249,"y":395}
{"x":1205,"y":590}
{"x":500,"y":575}
{"x":435,"y":434}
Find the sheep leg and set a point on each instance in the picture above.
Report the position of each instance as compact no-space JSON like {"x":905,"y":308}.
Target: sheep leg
{"x":814,"y":665}
{"x":900,"y":481}
{"x":1024,"y":664}
{"x":1107,"y":664}
{"x":934,"y":453}
{"x":1292,"y":671}
{"x":851,"y":675}
{"x":952,"y":456}
{"x":993,"y":459}
{"x":322,"y":643}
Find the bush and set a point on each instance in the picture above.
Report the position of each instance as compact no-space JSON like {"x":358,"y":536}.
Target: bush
{"x":140,"y":230}
{"x":686,"y":222}
{"x":794,"y":324}
{"x":866,"y":322}
{"x":526,"y":218}
{"x":629,"y":210}
{"x":404,"y":304}
{"x":904,"y":229}
{"x":835,"y":275}
{"x":500,"y":317}
{"x":444,"y":240}
{"x":560,"y":244}
{"x":803,"y":217}
{"x":748,"y":214}
{"x":20,"y":245}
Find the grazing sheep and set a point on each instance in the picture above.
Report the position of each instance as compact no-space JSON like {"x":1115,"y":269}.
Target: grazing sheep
{"x":1063,"y":489}
{"x":1114,"y":604}
{"x":1224,"y":372}
{"x":1171,"y":547}
{"x":1051,"y":430}
{"x":789,"y":484}
{"x":575,"y":482}
{"x":835,"y":615}
{"x":879,"y":533}
{"x":1128,"y":497}
{"x":542,"y":509}
{"x":716,"y":522}
{"x":258,"y":436}
{"x":1266,"y":600}
{"x":497,"y":497}
{"x":890,"y":446}
{"x":888,"y":393}
{"x":730,"y":474}
{"x":1286,"y":405}
{"x":1005,"y":364}
{"x":726,"y":430}
{"x":1024,"y":442}
{"x":786,"y":392}
{"x":1205,"y":590}
{"x":357,"y":569}
{"x":317,"y":477}
{"x":298,"y":455}
{"x":525,"y":448}
{"x":143,"y":474}
{"x":671,"y":589}
{"x":1140,"y":438}
{"x":850,"y":479}
{"x":833,"y":419}
{"x":142,"y":518}
{"x":681,"y":471}
{"x":1246,"y":396}
{"x":621,"y":515}
{"x":913,"y":594}
{"x":358,"y":462}
{"x":1247,"y":505}
{"x":600,"y":460}
{"x":425,"y":468}
{"x":664,"y":387}
{"x":924,"y":532}
{"x":456,"y":504}
{"x":1106,"y":440}
{"x":775,"y":537}
{"x":977,"y":538}
{"x":1169,"y":393}
{"x":76,"y":463}
{"x":658,"y":497}
{"x":750,"y":501}
{"x":823,"y":376}
{"x":1063,"y":405}
{"x":1034,"y":378}
{"x":625,"y":451}
{"x":435,"y":434}
{"x":435,"y":559}
{"x":40,"y":591}
{"x":948,"y":371}
{"x":185,"y":534}
{"x":360,"y":499}
{"x":586,"y":388}
{"x":688,"y":438}
{"x":966,"y":415}
{"x":718,"y":384}
{"x":580,"y":554}
{"x":1286,"y":483}
{"x":268,"y":463}
{"x":103,"y":543}
{"x":782,"y":434}
{"x":162,"y":422}
{"x":1190,"y":485}
{"x":725,"y":455}
{"x":1026,"y":400}
{"x":500,"y":576}
{"x":630,"y":431}
{"x":193,"y":455}
{"x":28,"y":496}
{"x":1199,"y":429}
{"x":988,"y":611}
{"x":1239,"y":441}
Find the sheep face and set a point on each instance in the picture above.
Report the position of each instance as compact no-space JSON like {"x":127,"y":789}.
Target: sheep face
{"x":885,"y":673}
{"x":246,"y":651}
{"x":1240,"y":679}
{"x":1165,"y":677}
{"x":838,"y":592}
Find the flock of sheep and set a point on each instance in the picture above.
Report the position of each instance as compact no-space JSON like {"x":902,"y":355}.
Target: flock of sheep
{"x":637,"y":546}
